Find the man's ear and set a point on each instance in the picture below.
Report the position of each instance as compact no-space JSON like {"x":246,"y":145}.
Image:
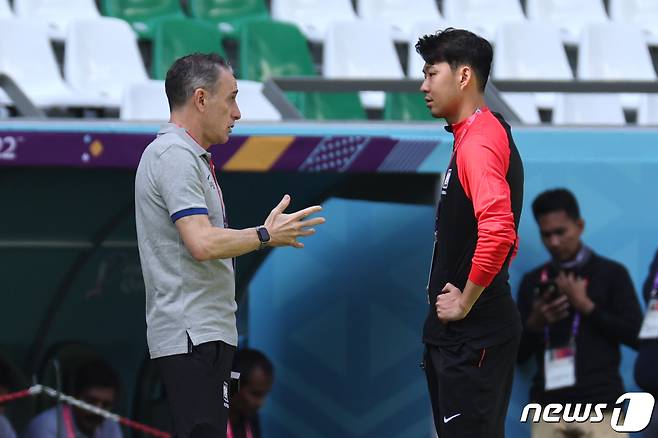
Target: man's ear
{"x":199,"y":98}
{"x":465,"y":76}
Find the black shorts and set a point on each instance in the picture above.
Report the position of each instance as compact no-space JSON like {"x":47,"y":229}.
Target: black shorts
{"x":470,"y":388}
{"x":197,"y":385}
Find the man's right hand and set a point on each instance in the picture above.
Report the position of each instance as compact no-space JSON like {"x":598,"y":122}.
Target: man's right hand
{"x":284,"y":229}
{"x":544,"y":312}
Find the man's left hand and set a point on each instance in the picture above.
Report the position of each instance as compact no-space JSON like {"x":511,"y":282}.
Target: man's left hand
{"x":575,"y":288}
{"x":450,"y":304}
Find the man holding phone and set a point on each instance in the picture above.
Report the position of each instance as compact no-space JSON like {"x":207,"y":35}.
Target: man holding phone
{"x":577,"y":305}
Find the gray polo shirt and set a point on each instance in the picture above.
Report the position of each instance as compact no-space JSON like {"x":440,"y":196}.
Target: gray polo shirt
{"x":183,"y":296}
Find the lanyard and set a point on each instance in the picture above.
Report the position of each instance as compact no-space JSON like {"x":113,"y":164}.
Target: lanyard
{"x":467,"y":125}
{"x":247,"y":430}
{"x":68,"y":421}
{"x":575,"y":324}
{"x":219,"y":190}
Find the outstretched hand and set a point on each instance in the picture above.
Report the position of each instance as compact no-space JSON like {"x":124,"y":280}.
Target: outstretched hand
{"x":285,"y":228}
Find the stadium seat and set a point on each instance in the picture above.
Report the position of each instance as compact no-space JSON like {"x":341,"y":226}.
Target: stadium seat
{"x":254,"y":106}
{"x":176,"y":37}
{"x":570,"y":16}
{"x":647,"y":113}
{"x":406,"y":107}
{"x":398,"y":15}
{"x":26,"y":55}
{"x":641,"y":13}
{"x":484,"y":16}
{"x":313,"y":16}
{"x":102,"y":58}
{"x":615,"y":52}
{"x":57,"y":14}
{"x":271,"y":48}
{"x":588,"y":109}
{"x":350,"y":51}
{"x":142,"y":14}
{"x":5,"y":9}
{"x":145,"y":101}
{"x":228,"y":15}
{"x":530,"y":51}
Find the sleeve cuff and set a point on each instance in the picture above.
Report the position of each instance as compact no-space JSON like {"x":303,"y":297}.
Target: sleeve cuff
{"x":188,"y":212}
{"x":480,"y":277}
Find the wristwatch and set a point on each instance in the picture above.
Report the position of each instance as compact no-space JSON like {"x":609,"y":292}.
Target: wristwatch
{"x":263,"y":236}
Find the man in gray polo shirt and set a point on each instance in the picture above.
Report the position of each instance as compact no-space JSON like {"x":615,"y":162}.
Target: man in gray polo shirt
{"x":186,"y":248}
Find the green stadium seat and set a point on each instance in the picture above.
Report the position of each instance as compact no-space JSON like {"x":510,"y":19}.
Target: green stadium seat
{"x":271,"y":48}
{"x":406,"y":107}
{"x":176,"y":37}
{"x":143,"y":15}
{"x":229,"y":15}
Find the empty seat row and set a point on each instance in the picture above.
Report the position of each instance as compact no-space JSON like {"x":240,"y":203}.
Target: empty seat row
{"x":315,"y":16}
{"x":102,"y":59}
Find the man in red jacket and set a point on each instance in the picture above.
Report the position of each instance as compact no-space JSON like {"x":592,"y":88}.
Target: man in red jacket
{"x":473,"y":327}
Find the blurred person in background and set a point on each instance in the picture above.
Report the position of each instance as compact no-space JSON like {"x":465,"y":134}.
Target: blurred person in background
{"x":6,"y":429}
{"x":473,"y":328}
{"x":646,"y":374}
{"x":256,"y":379}
{"x":577,"y":309}
{"x":96,"y":383}
{"x":186,"y":247}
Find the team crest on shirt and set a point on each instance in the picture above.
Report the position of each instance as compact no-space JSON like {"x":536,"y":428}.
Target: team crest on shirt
{"x":226,"y":395}
{"x":446,"y":181}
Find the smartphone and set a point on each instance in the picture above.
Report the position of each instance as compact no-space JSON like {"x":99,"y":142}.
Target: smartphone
{"x":548,"y":291}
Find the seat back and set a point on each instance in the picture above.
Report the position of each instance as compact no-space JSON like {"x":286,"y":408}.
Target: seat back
{"x":177,"y":37}
{"x":102,"y":57}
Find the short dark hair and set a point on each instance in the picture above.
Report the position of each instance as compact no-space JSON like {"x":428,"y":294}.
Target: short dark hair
{"x":247,"y":360}
{"x":458,"y":47}
{"x":96,"y":373}
{"x":555,"y":200}
{"x":198,"y":70}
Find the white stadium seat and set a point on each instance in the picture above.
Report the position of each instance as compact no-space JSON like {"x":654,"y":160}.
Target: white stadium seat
{"x":351,"y":51}
{"x":398,"y":14}
{"x":641,"y":13}
{"x":254,"y":106}
{"x":483,"y":15}
{"x":313,"y":16}
{"x":647,"y":113}
{"x":57,"y":14}
{"x":571,"y":16}
{"x":530,"y":51}
{"x":588,"y":109}
{"x":615,"y":52}
{"x":102,"y":58}
{"x":26,"y":55}
{"x":145,"y":101}
{"x":5,"y":9}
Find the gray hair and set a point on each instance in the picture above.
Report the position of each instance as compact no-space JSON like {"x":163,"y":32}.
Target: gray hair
{"x":198,"y":70}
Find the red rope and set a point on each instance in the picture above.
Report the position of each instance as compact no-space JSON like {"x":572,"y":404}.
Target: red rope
{"x":143,"y":428}
{"x":14,"y":396}
{"x":125,"y":421}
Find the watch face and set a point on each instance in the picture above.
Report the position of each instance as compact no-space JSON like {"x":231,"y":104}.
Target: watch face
{"x":263,"y":235}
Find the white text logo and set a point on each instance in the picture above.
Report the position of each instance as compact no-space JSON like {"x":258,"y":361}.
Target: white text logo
{"x":636,"y":419}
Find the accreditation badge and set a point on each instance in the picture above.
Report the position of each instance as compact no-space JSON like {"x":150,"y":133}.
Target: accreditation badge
{"x":560,"y":367}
